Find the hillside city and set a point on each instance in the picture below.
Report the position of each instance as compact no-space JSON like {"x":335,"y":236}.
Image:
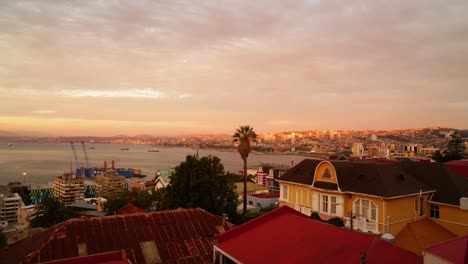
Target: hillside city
{"x":421,"y":142}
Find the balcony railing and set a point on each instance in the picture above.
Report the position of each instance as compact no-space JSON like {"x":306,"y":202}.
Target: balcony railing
{"x":362,"y":225}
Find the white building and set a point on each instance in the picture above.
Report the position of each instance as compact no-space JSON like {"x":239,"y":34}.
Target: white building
{"x":9,"y":205}
{"x":358,"y":150}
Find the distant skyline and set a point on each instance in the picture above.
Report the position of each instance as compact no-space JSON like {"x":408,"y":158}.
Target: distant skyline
{"x":105,"y":68}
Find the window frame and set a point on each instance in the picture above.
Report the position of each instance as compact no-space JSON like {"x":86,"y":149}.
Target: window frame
{"x":369,"y":209}
{"x":434,"y":211}
{"x":284,"y":192}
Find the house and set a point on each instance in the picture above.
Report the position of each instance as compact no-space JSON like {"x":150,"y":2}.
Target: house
{"x":285,"y":235}
{"x":182,"y":235}
{"x":417,"y":236}
{"x":129,"y":209}
{"x":454,"y":251}
{"x":162,"y":178}
{"x":263,"y":200}
{"x":268,"y":174}
{"x":366,"y":194}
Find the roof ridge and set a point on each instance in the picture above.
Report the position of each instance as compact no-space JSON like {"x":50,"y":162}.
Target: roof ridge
{"x":259,"y":220}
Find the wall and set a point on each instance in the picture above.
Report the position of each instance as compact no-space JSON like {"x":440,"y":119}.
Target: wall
{"x":402,"y":211}
{"x":453,"y":218}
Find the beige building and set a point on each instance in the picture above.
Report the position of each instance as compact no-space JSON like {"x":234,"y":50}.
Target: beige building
{"x":358,"y":150}
{"x":9,"y":205}
{"x":69,"y":188}
{"x":109,"y":183}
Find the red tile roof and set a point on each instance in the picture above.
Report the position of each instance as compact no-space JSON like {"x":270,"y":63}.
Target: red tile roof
{"x":129,"y":209}
{"x":105,"y":258}
{"x":459,"y":166}
{"x":455,"y":250}
{"x":183,"y":235}
{"x":287,"y":236}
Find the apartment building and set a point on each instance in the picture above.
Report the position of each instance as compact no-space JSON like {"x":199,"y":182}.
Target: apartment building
{"x":9,"y":205}
{"x":69,"y":188}
{"x":109,"y":183}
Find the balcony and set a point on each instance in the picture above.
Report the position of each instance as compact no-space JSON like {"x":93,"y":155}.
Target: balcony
{"x":362,"y":225}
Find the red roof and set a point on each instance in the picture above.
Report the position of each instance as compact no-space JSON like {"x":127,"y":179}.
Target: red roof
{"x":459,"y":166}
{"x":175,"y":236}
{"x":265,"y":195}
{"x":105,"y":258}
{"x":129,"y":209}
{"x":287,"y":236}
{"x":454,"y":250}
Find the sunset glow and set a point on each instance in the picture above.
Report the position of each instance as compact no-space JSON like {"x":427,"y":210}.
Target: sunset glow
{"x":183,"y":67}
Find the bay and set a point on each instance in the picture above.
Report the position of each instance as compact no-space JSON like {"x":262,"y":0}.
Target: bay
{"x":43,"y":161}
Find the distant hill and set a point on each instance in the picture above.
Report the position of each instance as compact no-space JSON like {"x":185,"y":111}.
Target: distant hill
{"x":4,"y":133}
{"x":464,"y":133}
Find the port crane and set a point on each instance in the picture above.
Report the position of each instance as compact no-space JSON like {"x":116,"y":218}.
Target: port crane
{"x":74,"y":155}
{"x":85,"y":154}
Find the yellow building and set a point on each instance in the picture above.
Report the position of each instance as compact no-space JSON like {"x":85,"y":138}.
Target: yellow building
{"x":109,"y":183}
{"x":377,"y":197}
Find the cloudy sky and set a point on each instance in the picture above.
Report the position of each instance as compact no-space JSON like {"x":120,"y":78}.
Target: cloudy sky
{"x":178,"y":67}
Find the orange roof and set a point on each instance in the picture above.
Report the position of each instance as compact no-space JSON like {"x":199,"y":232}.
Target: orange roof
{"x":129,"y":209}
{"x":417,"y":236}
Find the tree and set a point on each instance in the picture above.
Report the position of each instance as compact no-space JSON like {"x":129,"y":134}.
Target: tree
{"x":201,"y":182}
{"x":140,"y":198}
{"x":50,"y":212}
{"x":243,"y":135}
{"x":455,"y":148}
{"x":3,"y":239}
{"x":438,"y":157}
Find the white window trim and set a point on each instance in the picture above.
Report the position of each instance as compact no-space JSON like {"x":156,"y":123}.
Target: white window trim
{"x":282,"y":193}
{"x":337,"y":211}
{"x":369,"y":212}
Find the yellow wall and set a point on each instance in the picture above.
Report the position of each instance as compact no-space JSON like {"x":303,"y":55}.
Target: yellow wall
{"x":402,"y":211}
{"x":321,"y":170}
{"x":457,"y":216}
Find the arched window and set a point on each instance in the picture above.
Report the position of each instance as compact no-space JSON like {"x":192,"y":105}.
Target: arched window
{"x":365,"y":209}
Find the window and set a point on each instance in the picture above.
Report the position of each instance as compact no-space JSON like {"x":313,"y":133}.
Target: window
{"x":365,"y":209}
{"x":284,"y":195}
{"x":421,"y":207}
{"x":333,"y":205}
{"x":416,"y":207}
{"x":325,"y":203}
{"x":434,"y":211}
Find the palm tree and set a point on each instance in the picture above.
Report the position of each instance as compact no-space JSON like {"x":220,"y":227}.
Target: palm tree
{"x":243,"y":135}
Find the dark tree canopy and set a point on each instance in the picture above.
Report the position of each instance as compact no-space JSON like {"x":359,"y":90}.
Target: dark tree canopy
{"x":201,"y":182}
{"x":455,"y":149}
{"x":140,"y":198}
{"x":50,"y":212}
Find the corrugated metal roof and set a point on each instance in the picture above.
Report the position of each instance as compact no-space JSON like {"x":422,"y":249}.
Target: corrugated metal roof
{"x":182,"y":235}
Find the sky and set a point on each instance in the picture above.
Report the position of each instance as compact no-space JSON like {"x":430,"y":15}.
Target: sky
{"x":205,"y":67}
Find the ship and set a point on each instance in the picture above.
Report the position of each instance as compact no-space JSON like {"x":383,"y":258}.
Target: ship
{"x":10,"y":144}
{"x":124,"y":149}
{"x":153,"y":150}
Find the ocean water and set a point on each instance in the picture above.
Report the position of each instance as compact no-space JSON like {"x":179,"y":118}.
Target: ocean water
{"x":42,"y":162}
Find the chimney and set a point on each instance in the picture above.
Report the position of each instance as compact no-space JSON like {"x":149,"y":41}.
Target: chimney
{"x":388,"y":236}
